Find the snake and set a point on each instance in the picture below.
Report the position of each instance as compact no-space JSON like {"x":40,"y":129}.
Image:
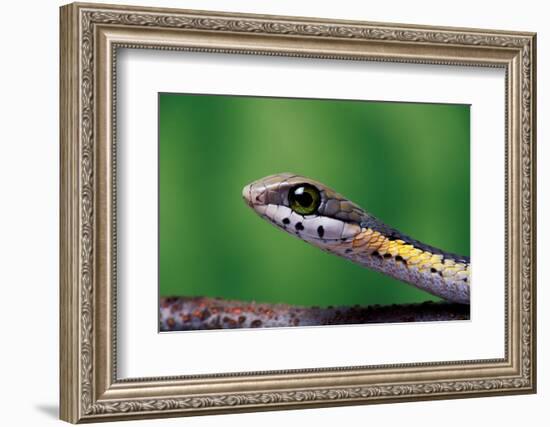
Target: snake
{"x":318,"y":215}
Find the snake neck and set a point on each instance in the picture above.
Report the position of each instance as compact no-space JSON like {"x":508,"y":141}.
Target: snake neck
{"x":430,"y":269}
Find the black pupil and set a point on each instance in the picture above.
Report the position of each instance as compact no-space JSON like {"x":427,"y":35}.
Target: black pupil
{"x":303,"y":197}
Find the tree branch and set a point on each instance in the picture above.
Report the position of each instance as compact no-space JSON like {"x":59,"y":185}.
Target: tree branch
{"x":200,"y":313}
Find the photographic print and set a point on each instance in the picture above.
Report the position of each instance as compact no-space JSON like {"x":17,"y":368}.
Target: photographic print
{"x":289,"y":212}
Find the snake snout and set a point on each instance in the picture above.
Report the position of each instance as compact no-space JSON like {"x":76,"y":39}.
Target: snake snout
{"x":253,"y":196}
{"x":246,"y":194}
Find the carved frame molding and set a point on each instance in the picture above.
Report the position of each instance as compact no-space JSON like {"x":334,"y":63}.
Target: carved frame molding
{"x":90,"y":37}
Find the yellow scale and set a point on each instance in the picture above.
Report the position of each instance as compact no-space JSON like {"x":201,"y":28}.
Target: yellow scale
{"x":373,"y":241}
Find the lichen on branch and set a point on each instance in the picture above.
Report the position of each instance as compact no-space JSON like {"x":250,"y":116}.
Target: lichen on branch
{"x":202,"y":313}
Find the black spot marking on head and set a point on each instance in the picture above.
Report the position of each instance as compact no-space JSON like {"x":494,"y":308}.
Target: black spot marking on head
{"x":299,"y":226}
{"x":286,"y":221}
{"x":320,"y":231}
{"x":399,"y":258}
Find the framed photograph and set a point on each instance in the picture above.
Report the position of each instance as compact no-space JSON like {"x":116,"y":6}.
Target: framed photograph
{"x":265,"y":212}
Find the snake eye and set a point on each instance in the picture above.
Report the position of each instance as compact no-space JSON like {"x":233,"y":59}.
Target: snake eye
{"x":304,"y":199}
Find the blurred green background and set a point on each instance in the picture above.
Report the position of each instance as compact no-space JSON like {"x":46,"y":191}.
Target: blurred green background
{"x":406,"y":163}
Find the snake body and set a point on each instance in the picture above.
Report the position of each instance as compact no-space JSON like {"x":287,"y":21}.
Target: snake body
{"x":320,"y":216}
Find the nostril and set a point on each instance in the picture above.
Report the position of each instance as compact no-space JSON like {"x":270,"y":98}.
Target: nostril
{"x":259,"y":197}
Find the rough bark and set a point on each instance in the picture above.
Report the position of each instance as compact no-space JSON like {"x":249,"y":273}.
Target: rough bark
{"x":200,"y":313}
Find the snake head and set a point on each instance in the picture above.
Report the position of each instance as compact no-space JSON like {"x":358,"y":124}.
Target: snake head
{"x":305,"y":208}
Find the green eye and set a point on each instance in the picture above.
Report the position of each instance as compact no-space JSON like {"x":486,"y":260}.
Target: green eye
{"x":304,"y":199}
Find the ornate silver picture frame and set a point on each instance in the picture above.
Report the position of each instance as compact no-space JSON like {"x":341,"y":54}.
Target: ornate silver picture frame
{"x":91,"y":37}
